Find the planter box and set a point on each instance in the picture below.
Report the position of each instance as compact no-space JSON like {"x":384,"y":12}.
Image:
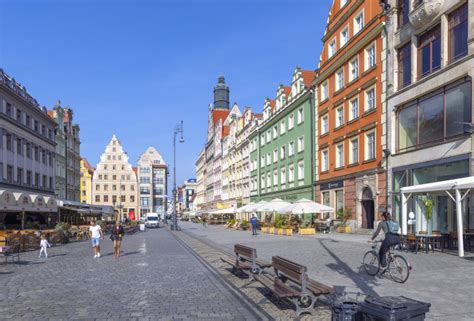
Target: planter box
{"x":307,"y":231}
{"x":265,"y":229}
{"x":341,"y":229}
{"x":271,"y":230}
{"x":348,"y":229}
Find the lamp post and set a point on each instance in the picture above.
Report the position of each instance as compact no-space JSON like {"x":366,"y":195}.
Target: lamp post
{"x":178,"y":129}
{"x":387,"y":153}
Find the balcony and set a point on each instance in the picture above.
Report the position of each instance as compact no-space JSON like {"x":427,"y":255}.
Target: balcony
{"x":424,"y":12}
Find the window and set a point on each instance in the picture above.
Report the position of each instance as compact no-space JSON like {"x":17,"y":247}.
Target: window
{"x":275,"y":155}
{"x":37,"y":179}
{"x":275,"y":132}
{"x":28,"y":177}
{"x":269,"y":136}
{"x":106,"y":198}
{"x":262,"y":182}
{"x":324,"y":91}
{"x":18,"y":115}
{"x":436,"y":117}
{"x":19,"y":175}
{"x":354,"y":151}
{"x":97,"y":187}
{"x":300,"y":170}
{"x":300,"y":116}
{"x":457,"y":26}
{"x":291,"y":148}
{"x":370,"y":99}
{"x":283,"y":152}
{"x":9,"y":109}
{"x":269,"y":159}
{"x":291,"y":122}
{"x":343,"y":3}
{"x":282,"y":127}
{"x":275,"y":178}
{"x":283,"y":176}
{"x":324,"y":124}
{"x":9,"y":142}
{"x":403,"y":7}
{"x":354,"y":105}
{"x":339,"y":155}
{"x":326,"y":199}
{"x":354,"y":69}
{"x":339,"y":200}
{"x":36,"y":126}
{"x":291,"y":173}
{"x":19,"y":146}
{"x":370,"y":57}
{"x":344,"y":38}
{"x":44,"y":182}
{"x":122,"y":198}
{"x":404,"y":65}
{"x":301,"y":144}
{"x":339,"y":79}
{"x":28,"y":121}
{"x":429,"y":51}
{"x":106,"y":187}
{"x":370,"y":146}
{"x":269,"y":180}
{"x":339,"y":116}
{"x":359,"y":22}
{"x":325,"y":160}
{"x":332,"y":48}
{"x":262,"y":140}
{"x":114,"y":187}
{"x":262,"y":161}
{"x":97,"y":198}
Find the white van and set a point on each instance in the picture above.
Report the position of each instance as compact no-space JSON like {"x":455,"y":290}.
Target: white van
{"x":152,"y":220}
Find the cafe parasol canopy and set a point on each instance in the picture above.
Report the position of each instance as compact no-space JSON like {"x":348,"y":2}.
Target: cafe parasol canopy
{"x":306,"y":206}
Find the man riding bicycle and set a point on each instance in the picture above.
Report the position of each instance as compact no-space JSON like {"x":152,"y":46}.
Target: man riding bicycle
{"x":392,"y":237}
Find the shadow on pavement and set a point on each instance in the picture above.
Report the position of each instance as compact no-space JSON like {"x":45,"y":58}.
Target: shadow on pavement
{"x":129,"y":253}
{"x":359,"y":279}
{"x":24,"y":263}
{"x":57,"y":255}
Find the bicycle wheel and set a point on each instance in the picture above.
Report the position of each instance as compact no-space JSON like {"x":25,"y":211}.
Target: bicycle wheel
{"x":371,"y":263}
{"x":399,"y":269}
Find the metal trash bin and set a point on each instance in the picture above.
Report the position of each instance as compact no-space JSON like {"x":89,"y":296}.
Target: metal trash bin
{"x":344,"y":310}
{"x":392,"y":308}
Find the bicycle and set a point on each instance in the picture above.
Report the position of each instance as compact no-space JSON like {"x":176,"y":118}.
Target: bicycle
{"x":397,"y":265}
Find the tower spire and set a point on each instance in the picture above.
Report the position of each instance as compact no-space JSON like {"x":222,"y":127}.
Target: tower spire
{"x":221,"y":94}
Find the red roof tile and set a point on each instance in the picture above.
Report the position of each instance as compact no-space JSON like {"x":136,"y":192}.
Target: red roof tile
{"x":258,"y":115}
{"x":135,"y":169}
{"x":225,"y":131}
{"x":219,"y":115}
{"x":308,"y":77}
{"x":287,"y":91}
{"x":272,"y":103}
{"x":88,"y":166}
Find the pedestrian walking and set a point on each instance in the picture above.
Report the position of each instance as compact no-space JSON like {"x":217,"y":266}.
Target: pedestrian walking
{"x":328,"y":226}
{"x":44,"y":244}
{"x":254,"y":223}
{"x":116,"y":237}
{"x":204,"y":221}
{"x":95,"y":234}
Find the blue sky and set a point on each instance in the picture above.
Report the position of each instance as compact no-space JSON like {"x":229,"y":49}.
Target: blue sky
{"x":137,"y":68}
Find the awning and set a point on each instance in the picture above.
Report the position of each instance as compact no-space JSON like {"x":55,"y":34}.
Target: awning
{"x":229,"y":210}
{"x":460,"y":187}
{"x":305,"y":206}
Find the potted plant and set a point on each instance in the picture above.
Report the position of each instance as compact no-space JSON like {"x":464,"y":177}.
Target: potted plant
{"x":344,"y":215}
{"x":64,"y":231}
{"x":244,"y":225}
{"x":427,"y":201}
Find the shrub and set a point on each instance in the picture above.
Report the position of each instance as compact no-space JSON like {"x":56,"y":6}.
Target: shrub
{"x":231,"y":221}
{"x":244,"y":225}
{"x":279,"y":221}
{"x":64,"y":231}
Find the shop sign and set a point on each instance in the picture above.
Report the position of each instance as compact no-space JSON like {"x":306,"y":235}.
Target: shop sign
{"x":332,"y":185}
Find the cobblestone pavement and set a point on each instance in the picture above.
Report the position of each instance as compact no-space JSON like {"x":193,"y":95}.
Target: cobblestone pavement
{"x":156,"y":278}
{"x":443,"y":279}
{"x":253,"y":291}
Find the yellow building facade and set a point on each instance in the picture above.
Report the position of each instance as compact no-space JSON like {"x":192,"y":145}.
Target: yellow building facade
{"x":87,"y":172}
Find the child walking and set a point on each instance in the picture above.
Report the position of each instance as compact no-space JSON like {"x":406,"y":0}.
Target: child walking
{"x":44,"y":244}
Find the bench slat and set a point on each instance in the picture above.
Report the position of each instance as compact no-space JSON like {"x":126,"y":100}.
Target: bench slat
{"x":319,"y":288}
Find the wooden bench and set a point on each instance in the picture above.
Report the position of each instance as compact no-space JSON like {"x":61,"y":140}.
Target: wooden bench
{"x":291,"y":282}
{"x":246,"y":260}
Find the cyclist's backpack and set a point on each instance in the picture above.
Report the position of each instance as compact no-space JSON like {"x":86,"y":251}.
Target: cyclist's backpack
{"x":393,"y":227}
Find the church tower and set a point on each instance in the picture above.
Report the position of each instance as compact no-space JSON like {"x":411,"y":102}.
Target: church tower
{"x":221,"y":94}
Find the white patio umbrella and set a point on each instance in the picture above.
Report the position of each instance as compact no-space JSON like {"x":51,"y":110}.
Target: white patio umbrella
{"x":275,"y":205}
{"x":244,"y":208}
{"x":306,"y":206}
{"x":254,"y":207}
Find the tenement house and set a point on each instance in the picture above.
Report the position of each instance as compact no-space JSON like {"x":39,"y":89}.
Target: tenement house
{"x":27,"y":146}
{"x":431,"y":46}
{"x":350,"y":112}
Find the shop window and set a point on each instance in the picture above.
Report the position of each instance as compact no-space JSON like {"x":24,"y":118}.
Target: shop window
{"x":339,"y":201}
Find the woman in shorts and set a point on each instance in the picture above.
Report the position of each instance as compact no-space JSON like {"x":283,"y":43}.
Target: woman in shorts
{"x":116,"y":237}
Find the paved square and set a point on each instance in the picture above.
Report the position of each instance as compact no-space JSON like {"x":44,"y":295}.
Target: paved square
{"x":444,"y":280}
{"x":156,"y":279}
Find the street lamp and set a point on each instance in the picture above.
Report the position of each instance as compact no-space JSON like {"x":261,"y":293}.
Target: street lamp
{"x":178,"y":129}
{"x":387,"y":153}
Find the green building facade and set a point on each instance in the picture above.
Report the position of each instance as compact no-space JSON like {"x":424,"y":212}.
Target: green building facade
{"x":282,"y":147}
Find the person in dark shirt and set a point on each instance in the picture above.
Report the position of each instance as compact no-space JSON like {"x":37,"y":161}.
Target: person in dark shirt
{"x":389,"y":240}
{"x":117,"y":236}
{"x":254,"y":223}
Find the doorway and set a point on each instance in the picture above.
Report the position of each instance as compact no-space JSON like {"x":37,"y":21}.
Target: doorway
{"x":368,"y":209}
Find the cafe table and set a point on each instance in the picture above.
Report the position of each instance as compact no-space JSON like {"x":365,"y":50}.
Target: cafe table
{"x":429,"y":239}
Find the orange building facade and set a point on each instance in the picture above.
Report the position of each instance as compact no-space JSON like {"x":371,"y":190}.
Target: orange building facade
{"x":350,"y":105}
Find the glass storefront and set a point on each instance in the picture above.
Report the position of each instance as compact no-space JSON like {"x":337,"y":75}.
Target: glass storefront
{"x":443,"y":216}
